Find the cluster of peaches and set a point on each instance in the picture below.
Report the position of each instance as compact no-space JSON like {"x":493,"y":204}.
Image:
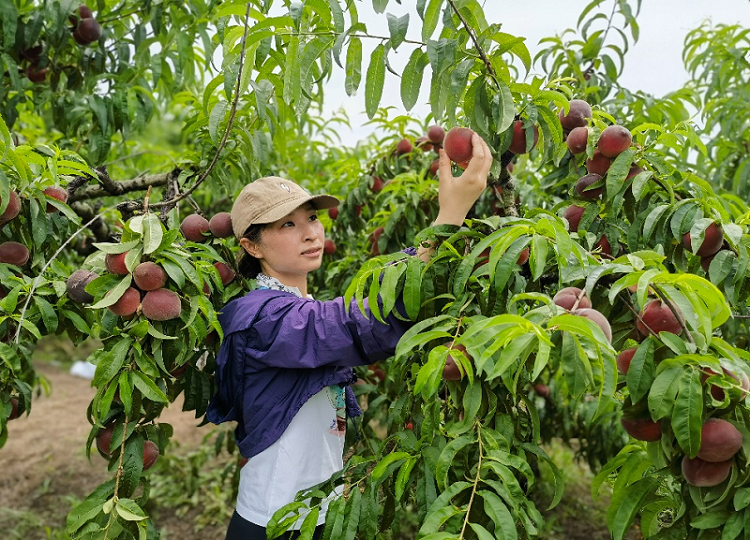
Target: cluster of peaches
{"x":150,"y":296}
{"x":16,"y":253}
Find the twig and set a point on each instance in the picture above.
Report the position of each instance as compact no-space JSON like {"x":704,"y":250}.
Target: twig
{"x":674,"y":311}
{"x":638,"y":315}
{"x":590,"y":67}
{"x":478,"y":47}
{"x":122,"y":453}
{"x":476,"y":482}
{"x":228,"y":129}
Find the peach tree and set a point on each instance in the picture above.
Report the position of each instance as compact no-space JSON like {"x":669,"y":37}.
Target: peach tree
{"x":601,"y":279}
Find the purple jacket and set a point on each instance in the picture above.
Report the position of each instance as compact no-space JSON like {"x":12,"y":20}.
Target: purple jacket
{"x":279,"y":350}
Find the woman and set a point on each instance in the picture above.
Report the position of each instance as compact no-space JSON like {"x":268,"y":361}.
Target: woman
{"x":285,"y":365}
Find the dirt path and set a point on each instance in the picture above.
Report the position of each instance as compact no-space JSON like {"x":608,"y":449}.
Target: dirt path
{"x":44,"y":467}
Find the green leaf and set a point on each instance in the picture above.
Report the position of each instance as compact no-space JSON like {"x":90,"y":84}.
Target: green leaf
{"x":387,"y":465}
{"x":149,"y":388}
{"x":353,"y":66}
{"x":218,"y":114}
{"x":641,"y":372}
{"x":129,"y":510}
{"x":447,"y":457}
{"x":379,"y":5}
{"x":115,"y":294}
{"x":153,"y":233}
{"x":411,"y":80}
{"x":482,"y":533}
{"x":687,"y":417}
{"x":661,"y":397}
{"x":500,"y":515}
{"x":397,"y":26}
{"x":635,"y":494}
{"x":431,"y":18}
{"x":375,"y":81}
{"x":352,"y":513}
{"x":111,"y":362}
{"x":413,"y":287}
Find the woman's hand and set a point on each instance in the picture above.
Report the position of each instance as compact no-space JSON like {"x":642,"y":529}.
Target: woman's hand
{"x":457,"y":195}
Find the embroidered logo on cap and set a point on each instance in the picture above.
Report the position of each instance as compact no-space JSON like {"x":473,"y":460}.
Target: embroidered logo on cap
{"x":282,"y":185}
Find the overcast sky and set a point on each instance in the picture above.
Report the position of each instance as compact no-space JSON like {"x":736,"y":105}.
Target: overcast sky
{"x":653,"y":65}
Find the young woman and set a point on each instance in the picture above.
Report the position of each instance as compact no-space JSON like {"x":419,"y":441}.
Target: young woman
{"x":285,"y":365}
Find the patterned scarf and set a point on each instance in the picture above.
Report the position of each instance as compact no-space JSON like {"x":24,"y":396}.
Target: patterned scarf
{"x":268,"y":282}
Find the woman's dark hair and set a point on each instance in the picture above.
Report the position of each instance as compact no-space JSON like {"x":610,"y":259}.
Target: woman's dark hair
{"x":247,"y":265}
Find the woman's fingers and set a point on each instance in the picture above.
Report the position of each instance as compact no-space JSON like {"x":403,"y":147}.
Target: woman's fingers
{"x":444,"y":167}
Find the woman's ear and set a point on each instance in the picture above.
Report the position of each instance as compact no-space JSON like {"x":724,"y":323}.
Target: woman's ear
{"x":251,"y":248}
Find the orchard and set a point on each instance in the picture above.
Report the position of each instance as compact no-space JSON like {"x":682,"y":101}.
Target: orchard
{"x":598,"y":293}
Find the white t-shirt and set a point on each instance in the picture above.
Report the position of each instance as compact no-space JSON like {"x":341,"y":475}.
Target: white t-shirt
{"x":309,"y":451}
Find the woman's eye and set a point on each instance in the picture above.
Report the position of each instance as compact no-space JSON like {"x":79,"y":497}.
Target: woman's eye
{"x":314,"y":217}
{"x":288,"y":224}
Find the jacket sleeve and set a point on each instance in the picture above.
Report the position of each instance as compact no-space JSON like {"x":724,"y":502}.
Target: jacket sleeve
{"x":292,"y":332}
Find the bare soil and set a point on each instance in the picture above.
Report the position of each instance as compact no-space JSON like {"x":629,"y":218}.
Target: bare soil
{"x":45,"y":470}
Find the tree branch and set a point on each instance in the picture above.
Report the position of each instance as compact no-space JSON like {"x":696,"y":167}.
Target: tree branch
{"x":111,"y":187}
{"x":478,"y":47}
{"x":230,"y":123}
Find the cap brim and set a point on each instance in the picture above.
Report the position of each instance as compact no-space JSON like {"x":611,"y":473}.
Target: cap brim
{"x":321,"y":202}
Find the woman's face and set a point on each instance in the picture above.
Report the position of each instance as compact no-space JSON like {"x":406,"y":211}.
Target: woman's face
{"x":290,"y":247}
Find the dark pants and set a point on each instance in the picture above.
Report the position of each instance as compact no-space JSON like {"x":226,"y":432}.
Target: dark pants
{"x":241,"y":529}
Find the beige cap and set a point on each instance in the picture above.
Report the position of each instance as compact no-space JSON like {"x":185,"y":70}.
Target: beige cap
{"x":270,"y":198}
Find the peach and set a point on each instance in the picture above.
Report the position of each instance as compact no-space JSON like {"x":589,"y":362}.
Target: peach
{"x":329,"y":247}
{"x":451,"y":371}
{"x":578,"y":114}
{"x":577,"y":140}
{"x":13,"y":208}
{"x":583,"y":183}
{"x":226,"y":273}
{"x":194,"y":227}
{"x":566,"y":298}
{"x":599,"y":319}
{"x":88,"y":31}
{"x":720,"y":440}
{"x":377,"y":184}
{"x":115,"y":263}
{"x":700,"y":473}
{"x":104,"y":439}
{"x":518,"y":145}
{"x":127,"y":304}
{"x":657,"y":316}
{"x":436,"y":134}
{"x":75,"y":285}
{"x":333,"y":213}
{"x":614,"y":140}
{"x":624,"y":359}
{"x":523,"y":258}
{"x":717,"y":392}
{"x":150,"y":454}
{"x":457,"y":144}
{"x":713,"y":239}
{"x":642,"y":429}
{"x":424,"y":144}
{"x":149,"y":276}
{"x":15,"y":410}
{"x":161,"y":305}
{"x":14,"y":253}
{"x":374,"y":240}
{"x":55,"y":192}
{"x":573,"y":214}
{"x":404,"y":146}
{"x":220,"y":225}
{"x":598,"y":163}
